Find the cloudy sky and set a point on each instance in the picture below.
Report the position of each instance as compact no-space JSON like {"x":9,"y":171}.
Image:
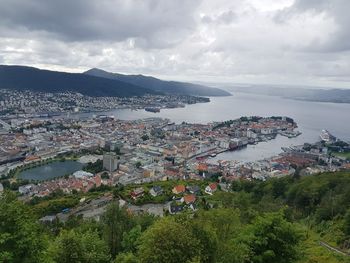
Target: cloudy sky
{"x":302,"y":42}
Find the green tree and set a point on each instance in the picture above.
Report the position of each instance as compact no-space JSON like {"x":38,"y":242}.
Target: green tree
{"x":67,"y":248}
{"x":126,"y":258}
{"x":168,"y":241}
{"x":279,"y":187}
{"x":347,"y":223}
{"x":225,"y":222}
{"x":95,"y":167}
{"x":104,"y":175}
{"x":131,"y":239}
{"x":95,"y":249}
{"x":274,"y":240}
{"x":145,"y":137}
{"x":218,"y":228}
{"x":208,"y":242}
{"x":234,"y":251}
{"x":115,"y":221}
{"x":75,"y":247}
{"x":144,"y":220}
{"x":21,"y":238}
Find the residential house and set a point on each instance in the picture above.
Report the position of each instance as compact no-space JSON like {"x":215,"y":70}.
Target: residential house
{"x":189,"y":199}
{"x":179,"y":189}
{"x":202,"y":167}
{"x":138,"y":192}
{"x":211,"y":188}
{"x":156,"y":191}
{"x":175,"y":208}
{"x":193,"y":189}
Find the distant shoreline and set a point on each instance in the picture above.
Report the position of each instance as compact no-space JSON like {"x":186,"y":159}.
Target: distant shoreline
{"x":296,"y":98}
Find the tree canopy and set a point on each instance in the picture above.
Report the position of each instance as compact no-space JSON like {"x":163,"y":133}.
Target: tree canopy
{"x":21,"y":238}
{"x":277,"y":221}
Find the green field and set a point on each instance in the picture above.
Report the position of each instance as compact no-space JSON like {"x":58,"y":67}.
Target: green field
{"x":345,"y":154}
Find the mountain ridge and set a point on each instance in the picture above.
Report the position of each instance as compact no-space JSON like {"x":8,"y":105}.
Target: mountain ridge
{"x":97,"y":83}
{"x":42,"y":80}
{"x":169,"y":87}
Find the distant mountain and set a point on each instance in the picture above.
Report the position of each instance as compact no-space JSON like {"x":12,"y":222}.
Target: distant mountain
{"x":307,"y":94}
{"x":169,"y":87}
{"x":29,"y":78}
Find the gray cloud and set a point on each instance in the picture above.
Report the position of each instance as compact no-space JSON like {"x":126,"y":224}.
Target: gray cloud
{"x":337,"y":10}
{"x":108,"y":20}
{"x":226,"y":17}
{"x":255,"y":41}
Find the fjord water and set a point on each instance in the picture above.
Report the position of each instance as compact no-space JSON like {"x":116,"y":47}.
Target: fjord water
{"x":311,"y":117}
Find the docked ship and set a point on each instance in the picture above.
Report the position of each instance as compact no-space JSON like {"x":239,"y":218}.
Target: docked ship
{"x":326,"y":136}
{"x":237,"y":143}
{"x":152,"y":109}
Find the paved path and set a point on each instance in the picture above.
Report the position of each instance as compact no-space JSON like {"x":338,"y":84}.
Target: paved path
{"x":324,"y":244}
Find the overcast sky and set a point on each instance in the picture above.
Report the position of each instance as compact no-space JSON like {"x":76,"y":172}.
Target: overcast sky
{"x":303,"y":42}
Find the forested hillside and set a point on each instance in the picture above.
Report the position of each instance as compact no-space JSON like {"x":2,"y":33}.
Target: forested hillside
{"x":34,"y":79}
{"x":168,"y":87}
{"x":279,"y":220}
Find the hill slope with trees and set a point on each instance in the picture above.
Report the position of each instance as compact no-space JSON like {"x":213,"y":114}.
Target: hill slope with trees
{"x":280,"y":220}
{"x":169,"y":87}
{"x":34,"y":79}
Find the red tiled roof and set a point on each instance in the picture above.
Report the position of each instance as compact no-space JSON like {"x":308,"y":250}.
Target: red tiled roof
{"x":213,"y":186}
{"x":202,"y":167}
{"x":189,"y":198}
{"x":179,"y":188}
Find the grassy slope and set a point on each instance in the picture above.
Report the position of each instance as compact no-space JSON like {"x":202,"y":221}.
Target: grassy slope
{"x":346,"y":155}
{"x":315,"y":253}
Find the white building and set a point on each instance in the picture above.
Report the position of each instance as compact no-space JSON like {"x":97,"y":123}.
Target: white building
{"x":251,"y":134}
{"x":82,"y":174}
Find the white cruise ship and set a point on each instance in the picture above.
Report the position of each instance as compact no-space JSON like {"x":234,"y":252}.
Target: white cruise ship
{"x":326,"y":136}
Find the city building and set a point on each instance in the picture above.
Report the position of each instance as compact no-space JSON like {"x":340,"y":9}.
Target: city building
{"x":110,"y":161}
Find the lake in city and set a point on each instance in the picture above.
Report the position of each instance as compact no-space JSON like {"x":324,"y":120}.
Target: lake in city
{"x":51,"y":170}
{"x":311,"y":117}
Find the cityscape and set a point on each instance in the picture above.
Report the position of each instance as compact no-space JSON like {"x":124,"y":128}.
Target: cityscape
{"x":28,"y":104}
{"x":69,"y":157}
{"x":162,"y":131}
{"x":152,"y":150}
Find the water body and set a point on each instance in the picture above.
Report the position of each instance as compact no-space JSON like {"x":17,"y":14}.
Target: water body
{"x":51,"y":170}
{"x":311,"y":117}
